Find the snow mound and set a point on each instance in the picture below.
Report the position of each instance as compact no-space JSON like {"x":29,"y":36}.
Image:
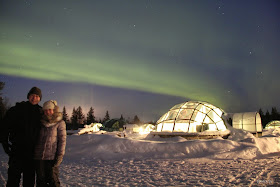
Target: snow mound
{"x":112,"y":146}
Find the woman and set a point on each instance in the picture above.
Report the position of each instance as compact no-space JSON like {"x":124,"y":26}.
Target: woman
{"x":50,"y":147}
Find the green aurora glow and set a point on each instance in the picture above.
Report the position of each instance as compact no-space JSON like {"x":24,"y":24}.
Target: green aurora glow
{"x":190,"y":50}
{"x":115,"y":71}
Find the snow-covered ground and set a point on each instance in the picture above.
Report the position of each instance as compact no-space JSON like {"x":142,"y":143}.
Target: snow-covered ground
{"x":110,"y":159}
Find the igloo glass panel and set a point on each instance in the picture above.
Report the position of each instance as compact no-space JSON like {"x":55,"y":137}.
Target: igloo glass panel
{"x":163,"y":118}
{"x":199,"y":107}
{"x":214,"y":116}
{"x":159,"y":127}
{"x":170,"y":115}
{"x":185,"y":114}
{"x":168,"y":126}
{"x":218,"y":111}
{"x":208,"y":105}
{"x":198,"y":117}
{"x":221,"y":125}
{"x":181,"y":127}
{"x":195,"y":127}
{"x":173,"y":114}
{"x":204,"y":109}
{"x":177,"y":106}
{"x":212,"y":127}
{"x":190,"y":105}
{"x":208,"y":120}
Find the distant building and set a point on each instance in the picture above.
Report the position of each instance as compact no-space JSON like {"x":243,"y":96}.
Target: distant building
{"x":249,"y":121}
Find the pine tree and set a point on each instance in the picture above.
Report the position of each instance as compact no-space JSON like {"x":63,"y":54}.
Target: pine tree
{"x":274,"y":114}
{"x":122,"y":121}
{"x":90,"y":116}
{"x":74,"y":119}
{"x":128,"y":120}
{"x":107,"y":117}
{"x":122,"y":118}
{"x":80,"y":116}
{"x":65,"y":115}
{"x":136,"y":120}
{"x":267,"y":118}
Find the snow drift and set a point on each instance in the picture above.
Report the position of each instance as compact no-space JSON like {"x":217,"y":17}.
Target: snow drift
{"x":110,"y":146}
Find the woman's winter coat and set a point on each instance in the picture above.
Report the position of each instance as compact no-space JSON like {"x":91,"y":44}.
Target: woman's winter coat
{"x":52,"y":139}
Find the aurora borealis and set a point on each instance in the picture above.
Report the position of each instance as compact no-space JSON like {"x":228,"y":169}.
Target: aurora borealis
{"x":222,"y":52}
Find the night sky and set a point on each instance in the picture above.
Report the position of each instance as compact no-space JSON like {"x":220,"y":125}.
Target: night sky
{"x":141,"y":57}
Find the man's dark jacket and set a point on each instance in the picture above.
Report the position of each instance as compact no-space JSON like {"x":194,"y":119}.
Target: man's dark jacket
{"x":20,"y":127}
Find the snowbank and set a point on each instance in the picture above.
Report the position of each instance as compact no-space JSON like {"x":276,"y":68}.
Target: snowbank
{"x":240,"y":145}
{"x":109,"y":159}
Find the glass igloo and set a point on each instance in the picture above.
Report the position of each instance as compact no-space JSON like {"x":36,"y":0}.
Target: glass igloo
{"x":191,"y":117}
{"x":273,"y":125}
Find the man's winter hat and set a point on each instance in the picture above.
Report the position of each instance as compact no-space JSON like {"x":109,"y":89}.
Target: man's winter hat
{"x":35,"y":90}
{"x":51,"y":104}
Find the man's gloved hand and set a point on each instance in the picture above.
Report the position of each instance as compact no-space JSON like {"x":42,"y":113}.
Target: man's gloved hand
{"x":7,"y":147}
{"x":58,"y":161}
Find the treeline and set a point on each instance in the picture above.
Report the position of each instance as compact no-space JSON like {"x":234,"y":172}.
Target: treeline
{"x":78,"y":119}
{"x":269,"y":116}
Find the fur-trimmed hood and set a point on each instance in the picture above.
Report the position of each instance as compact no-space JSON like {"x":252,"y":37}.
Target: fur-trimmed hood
{"x":49,"y":121}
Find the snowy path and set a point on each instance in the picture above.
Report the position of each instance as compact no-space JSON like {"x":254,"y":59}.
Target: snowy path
{"x":189,"y":172}
{"x":110,"y":160}
{"x":259,"y":172}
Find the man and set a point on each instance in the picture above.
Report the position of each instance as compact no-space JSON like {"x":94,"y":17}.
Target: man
{"x":19,"y":132}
